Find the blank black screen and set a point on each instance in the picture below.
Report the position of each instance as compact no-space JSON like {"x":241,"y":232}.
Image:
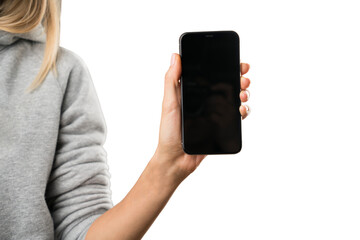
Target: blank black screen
{"x":210,"y":87}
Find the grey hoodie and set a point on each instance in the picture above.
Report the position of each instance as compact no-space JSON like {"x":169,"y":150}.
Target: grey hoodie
{"x":54,"y":178}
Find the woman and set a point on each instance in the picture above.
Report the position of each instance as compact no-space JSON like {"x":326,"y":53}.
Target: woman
{"x":54,"y":179}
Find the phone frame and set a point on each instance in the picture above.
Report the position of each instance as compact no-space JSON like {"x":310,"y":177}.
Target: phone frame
{"x":206,"y":34}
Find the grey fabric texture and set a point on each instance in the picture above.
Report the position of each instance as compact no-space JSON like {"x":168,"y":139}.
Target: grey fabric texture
{"x":54,"y":176}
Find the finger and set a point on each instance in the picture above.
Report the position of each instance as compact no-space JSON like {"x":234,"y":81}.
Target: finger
{"x":244,"y":95}
{"x":244,"y":68}
{"x":245,"y":83}
{"x":244,"y":111}
{"x":171,"y":85}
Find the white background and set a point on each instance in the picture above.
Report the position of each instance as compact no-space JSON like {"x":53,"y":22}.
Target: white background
{"x":298,"y":174}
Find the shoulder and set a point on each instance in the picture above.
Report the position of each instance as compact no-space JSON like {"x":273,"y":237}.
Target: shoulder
{"x":71,"y":68}
{"x":69,"y":59}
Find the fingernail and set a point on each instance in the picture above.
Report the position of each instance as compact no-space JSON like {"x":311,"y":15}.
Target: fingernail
{"x":243,"y":116}
{"x":247,"y":109}
{"x":172,"y":59}
{"x":246,"y":92}
{"x":247,"y":96}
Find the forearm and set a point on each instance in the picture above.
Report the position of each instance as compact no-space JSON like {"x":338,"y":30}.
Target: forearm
{"x":132,"y":217}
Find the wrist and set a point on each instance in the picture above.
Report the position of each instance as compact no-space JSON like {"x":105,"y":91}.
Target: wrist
{"x":163,"y":173}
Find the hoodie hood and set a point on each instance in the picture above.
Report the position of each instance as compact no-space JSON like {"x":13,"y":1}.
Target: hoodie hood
{"x":37,"y":35}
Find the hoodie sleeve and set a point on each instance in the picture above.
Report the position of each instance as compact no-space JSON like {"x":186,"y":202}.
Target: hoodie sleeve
{"x":78,"y":189}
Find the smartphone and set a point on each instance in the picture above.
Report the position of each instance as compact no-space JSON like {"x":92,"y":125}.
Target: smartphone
{"x":210,"y":88}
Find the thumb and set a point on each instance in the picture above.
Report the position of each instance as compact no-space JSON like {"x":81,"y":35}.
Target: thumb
{"x":172,"y":86}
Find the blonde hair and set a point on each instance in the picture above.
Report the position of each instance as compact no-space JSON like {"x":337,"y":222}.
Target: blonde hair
{"x":20,"y":16}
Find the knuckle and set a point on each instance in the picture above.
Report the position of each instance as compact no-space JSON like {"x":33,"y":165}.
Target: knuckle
{"x":167,"y":75}
{"x":169,"y":106}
